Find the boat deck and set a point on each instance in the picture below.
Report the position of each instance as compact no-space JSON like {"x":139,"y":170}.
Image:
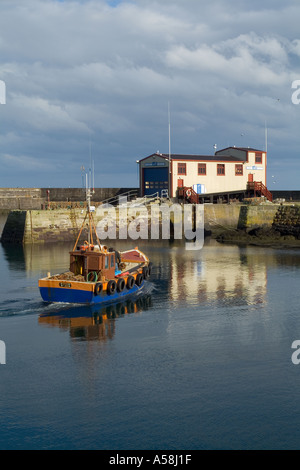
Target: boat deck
{"x":133,"y":256}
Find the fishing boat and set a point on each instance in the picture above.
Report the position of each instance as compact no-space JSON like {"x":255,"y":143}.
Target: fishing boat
{"x":93,"y":321}
{"x":97,"y":274}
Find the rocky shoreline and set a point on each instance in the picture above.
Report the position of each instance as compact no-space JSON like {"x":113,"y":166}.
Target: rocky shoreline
{"x":273,"y":237}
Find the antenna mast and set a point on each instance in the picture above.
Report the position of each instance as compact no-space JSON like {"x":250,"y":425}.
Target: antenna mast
{"x":169,"y":178}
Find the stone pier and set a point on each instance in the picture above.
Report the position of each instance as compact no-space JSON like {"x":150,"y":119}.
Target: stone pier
{"x":46,"y":226}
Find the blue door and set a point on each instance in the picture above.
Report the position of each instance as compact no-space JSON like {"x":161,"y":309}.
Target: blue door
{"x":155,"y":180}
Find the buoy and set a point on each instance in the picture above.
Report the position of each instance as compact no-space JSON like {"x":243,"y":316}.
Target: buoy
{"x":93,"y":275}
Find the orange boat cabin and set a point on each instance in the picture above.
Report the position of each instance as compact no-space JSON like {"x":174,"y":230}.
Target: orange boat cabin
{"x":91,"y":264}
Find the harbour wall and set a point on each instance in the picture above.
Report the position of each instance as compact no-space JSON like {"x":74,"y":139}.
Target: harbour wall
{"x":64,"y":224}
{"x":219,"y":217}
{"x":36,"y":198}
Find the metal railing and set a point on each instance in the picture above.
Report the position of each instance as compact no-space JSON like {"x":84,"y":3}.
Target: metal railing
{"x":145,"y":200}
{"x":129,"y":195}
{"x":258,"y":186}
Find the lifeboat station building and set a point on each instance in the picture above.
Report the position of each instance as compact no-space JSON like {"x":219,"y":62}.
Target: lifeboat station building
{"x":231,"y":171}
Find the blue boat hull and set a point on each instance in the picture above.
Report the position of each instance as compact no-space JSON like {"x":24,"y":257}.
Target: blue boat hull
{"x":77,"y":296}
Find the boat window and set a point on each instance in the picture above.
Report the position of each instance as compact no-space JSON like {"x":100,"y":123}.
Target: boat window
{"x":112,"y":261}
{"x":106,"y":262}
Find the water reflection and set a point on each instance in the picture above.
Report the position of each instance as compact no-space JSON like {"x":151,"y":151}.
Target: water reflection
{"x":15,"y":257}
{"x":94,"y":323}
{"x":3,"y":217}
{"x":218,"y":274}
{"x":37,"y":258}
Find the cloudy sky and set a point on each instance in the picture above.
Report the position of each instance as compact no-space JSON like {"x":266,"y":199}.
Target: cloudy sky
{"x":94,"y":78}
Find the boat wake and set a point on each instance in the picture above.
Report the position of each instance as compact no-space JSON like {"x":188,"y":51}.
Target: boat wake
{"x":34,"y":306}
{"x":18,"y":308}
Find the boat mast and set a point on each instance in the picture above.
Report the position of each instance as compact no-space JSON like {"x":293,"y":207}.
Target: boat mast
{"x":88,"y":195}
{"x":88,"y":208}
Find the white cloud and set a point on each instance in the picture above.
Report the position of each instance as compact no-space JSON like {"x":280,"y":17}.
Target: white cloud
{"x":25,"y":163}
{"x":40,"y":114}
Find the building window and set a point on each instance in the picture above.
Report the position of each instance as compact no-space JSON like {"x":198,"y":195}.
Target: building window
{"x":258,"y":158}
{"x":201,"y":168}
{"x":181,"y":168}
{"x":220,"y":169}
{"x":239,"y":170}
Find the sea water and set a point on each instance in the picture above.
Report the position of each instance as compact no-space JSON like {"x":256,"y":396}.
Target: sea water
{"x":202,"y":360}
